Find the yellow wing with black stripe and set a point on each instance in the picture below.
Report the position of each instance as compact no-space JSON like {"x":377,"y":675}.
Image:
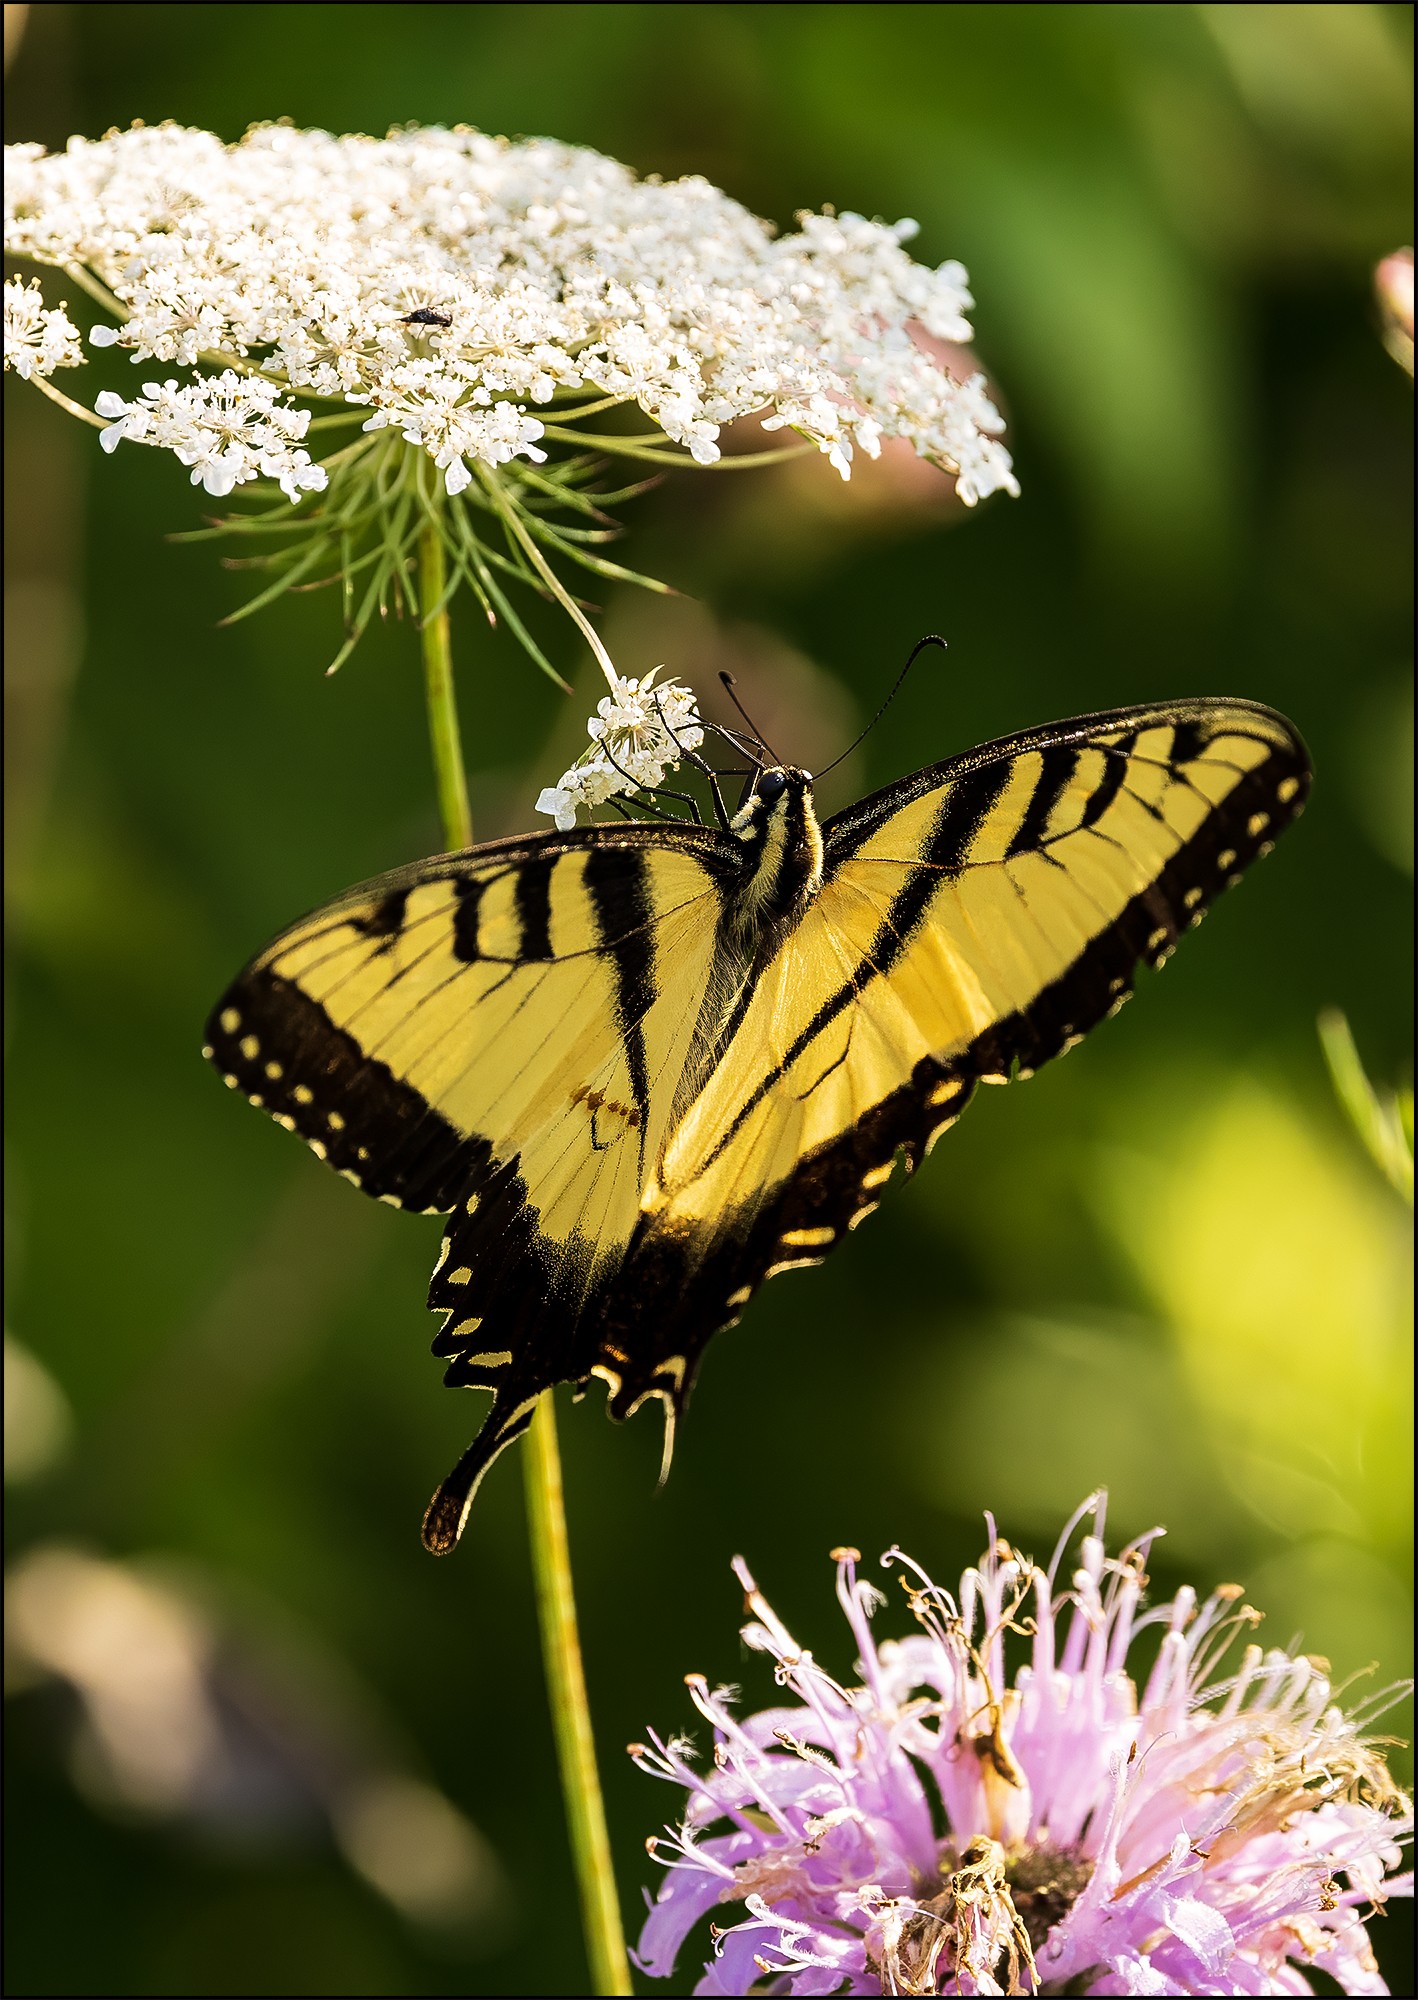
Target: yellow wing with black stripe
{"x":642,"y":1068}
{"x":972,"y":921}
{"x":490,"y":1035}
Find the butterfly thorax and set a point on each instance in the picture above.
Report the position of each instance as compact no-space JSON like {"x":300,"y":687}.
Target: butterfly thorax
{"x":782,"y":852}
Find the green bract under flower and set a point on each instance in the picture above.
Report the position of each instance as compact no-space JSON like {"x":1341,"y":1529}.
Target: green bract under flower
{"x":481,"y":301}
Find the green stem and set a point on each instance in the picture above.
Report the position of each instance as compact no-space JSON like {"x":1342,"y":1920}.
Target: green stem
{"x":571,"y":1712}
{"x":96,"y":289}
{"x":507,"y":508}
{"x":67,"y":403}
{"x":448,"y":772}
{"x":546,"y":1509}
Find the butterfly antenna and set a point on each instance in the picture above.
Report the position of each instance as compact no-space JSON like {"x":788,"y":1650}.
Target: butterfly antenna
{"x":759,"y":738}
{"x":931,"y":639}
{"x":736,"y":740}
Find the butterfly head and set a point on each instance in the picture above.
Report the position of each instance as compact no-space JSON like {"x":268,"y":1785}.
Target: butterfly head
{"x":770,"y":789}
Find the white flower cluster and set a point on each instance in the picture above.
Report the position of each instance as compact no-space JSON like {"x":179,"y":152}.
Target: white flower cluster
{"x":448,"y":279}
{"x":37,"y":339}
{"x":424,"y":402}
{"x":639,"y":732}
{"x":229,"y":428}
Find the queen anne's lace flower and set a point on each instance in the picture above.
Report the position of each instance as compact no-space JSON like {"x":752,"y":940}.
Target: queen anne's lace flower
{"x":37,"y":340}
{"x":449,"y":279}
{"x":638,"y":733}
{"x":427,"y":407}
{"x":939,"y":1829}
{"x":229,"y":428}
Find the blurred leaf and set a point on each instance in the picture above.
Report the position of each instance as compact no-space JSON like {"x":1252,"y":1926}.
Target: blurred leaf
{"x":1385,"y":1124}
{"x":1333,"y":78}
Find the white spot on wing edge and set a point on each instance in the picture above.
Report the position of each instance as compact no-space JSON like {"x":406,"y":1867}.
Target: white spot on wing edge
{"x":937,"y":1132}
{"x":790,"y":1264}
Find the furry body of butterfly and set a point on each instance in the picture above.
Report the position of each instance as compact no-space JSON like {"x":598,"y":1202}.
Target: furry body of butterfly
{"x":641,"y":1068}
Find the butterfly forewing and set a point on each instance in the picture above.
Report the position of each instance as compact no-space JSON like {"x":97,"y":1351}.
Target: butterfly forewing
{"x":1053,"y":864}
{"x":974,"y":921}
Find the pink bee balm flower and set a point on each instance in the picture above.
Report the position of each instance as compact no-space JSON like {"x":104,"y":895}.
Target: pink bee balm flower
{"x":941,"y":1828}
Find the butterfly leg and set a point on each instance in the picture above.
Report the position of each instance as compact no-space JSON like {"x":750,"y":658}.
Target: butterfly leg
{"x":693,"y":758}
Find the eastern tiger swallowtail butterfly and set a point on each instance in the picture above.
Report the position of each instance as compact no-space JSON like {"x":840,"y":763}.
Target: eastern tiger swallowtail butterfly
{"x":643,"y":1067}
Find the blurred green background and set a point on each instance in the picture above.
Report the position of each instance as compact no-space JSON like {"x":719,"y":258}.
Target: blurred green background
{"x":261,"y":1743}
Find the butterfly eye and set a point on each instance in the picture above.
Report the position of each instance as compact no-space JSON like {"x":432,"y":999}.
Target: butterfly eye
{"x":771,"y":785}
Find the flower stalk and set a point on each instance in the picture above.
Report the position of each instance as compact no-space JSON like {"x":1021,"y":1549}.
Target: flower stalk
{"x":570,"y":1709}
{"x":449,"y":775}
{"x":546,"y":1507}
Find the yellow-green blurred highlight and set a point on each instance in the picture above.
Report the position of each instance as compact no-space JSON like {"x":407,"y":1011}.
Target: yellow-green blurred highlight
{"x":1270,"y":1379}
